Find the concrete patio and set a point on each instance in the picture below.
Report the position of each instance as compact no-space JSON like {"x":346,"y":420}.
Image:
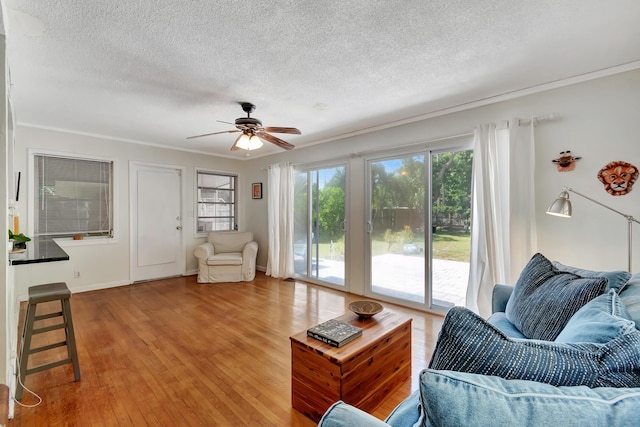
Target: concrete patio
{"x":402,"y":276}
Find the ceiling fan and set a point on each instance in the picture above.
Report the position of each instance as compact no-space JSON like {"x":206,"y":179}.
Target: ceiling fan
{"x":252,"y":132}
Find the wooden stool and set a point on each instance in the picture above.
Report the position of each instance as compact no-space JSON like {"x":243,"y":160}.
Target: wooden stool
{"x":40,"y":294}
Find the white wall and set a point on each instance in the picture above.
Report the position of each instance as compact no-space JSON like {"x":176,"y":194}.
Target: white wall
{"x":598,"y":121}
{"x":107,"y":265}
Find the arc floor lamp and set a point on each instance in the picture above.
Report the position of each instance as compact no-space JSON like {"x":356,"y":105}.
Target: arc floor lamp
{"x":562,"y":207}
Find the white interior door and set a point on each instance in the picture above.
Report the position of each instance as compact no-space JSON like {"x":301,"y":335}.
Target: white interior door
{"x":156,"y":222}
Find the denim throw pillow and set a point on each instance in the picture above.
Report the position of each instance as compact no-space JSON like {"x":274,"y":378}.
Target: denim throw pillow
{"x":453,"y":399}
{"x":467,"y":343}
{"x":544,"y":298}
{"x":599,"y":321}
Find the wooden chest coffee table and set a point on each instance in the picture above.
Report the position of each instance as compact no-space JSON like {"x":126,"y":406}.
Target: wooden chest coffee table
{"x":361,"y":373}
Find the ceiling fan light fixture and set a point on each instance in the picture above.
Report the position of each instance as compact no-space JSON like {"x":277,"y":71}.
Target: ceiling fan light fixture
{"x":255,"y":143}
{"x":249,"y":142}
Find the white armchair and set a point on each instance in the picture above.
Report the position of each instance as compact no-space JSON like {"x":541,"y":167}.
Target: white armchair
{"x":227,"y":256}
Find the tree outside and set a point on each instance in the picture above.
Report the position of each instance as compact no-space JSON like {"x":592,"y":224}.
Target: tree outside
{"x":451,"y":190}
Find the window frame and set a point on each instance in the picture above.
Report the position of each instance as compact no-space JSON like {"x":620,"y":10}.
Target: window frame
{"x":68,"y":240}
{"x":197,"y":202}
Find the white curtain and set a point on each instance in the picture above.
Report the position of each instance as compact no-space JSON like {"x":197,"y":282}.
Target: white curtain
{"x":503,"y":232}
{"x":280,"y":221}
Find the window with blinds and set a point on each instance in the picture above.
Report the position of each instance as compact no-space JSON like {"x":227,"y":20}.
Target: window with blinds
{"x":72,"y":196}
{"x":216,"y":202}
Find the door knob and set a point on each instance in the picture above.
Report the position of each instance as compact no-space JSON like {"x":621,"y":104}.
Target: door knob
{"x":179,"y":227}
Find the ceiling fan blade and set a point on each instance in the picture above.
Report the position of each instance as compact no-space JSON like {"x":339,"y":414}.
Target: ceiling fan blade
{"x":274,"y":140}
{"x":275,"y":129}
{"x":214,"y":133}
{"x":222,"y":121}
{"x":235,"y":147}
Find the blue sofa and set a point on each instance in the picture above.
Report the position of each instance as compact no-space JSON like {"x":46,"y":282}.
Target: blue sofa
{"x":492,"y":372}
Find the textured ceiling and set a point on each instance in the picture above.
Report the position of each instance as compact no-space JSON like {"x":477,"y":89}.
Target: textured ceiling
{"x":157,"y":71}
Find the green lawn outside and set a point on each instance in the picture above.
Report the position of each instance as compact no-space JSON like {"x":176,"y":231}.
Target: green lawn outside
{"x":449,"y":245}
{"x":452,"y":245}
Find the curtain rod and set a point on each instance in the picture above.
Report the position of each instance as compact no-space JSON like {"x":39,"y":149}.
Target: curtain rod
{"x":536,"y":119}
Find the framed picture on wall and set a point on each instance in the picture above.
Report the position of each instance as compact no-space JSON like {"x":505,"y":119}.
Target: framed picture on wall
{"x":256,"y":190}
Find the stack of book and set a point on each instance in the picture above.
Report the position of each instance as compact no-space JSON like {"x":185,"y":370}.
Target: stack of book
{"x":334,"y":332}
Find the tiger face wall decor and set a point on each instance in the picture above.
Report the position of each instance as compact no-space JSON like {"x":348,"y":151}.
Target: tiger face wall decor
{"x":618,"y":177}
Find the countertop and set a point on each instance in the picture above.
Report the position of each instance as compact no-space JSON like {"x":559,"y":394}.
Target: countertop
{"x":39,"y":250}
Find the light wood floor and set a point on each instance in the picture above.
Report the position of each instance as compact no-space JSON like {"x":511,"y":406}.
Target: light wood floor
{"x":175,"y":352}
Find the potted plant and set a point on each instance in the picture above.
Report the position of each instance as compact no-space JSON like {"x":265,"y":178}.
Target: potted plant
{"x":18,"y":241}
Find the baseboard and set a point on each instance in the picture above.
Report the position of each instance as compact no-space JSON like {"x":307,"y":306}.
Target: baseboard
{"x":99,"y":286}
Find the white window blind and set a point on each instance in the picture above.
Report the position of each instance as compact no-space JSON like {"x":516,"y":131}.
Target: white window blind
{"x":73,"y":196}
{"x":216,"y":202}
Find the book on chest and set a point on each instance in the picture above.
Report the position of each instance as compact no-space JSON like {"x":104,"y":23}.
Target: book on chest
{"x":335,"y":332}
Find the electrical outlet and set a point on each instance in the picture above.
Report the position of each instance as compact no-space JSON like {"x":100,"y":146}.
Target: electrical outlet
{"x":76,"y":274}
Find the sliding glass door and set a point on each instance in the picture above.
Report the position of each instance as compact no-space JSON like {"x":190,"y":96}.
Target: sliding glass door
{"x":396,"y":228}
{"x":319,"y":230}
{"x":419,"y":227}
{"x":450,"y":226}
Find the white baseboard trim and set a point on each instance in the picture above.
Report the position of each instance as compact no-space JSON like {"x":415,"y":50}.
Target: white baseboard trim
{"x":99,"y":286}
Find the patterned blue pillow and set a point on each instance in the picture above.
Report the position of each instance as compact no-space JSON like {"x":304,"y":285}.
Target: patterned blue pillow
{"x":599,"y":321}
{"x":467,"y":343}
{"x":544,"y":298}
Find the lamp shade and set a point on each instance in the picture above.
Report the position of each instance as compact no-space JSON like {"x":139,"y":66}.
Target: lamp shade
{"x":561,"y":206}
